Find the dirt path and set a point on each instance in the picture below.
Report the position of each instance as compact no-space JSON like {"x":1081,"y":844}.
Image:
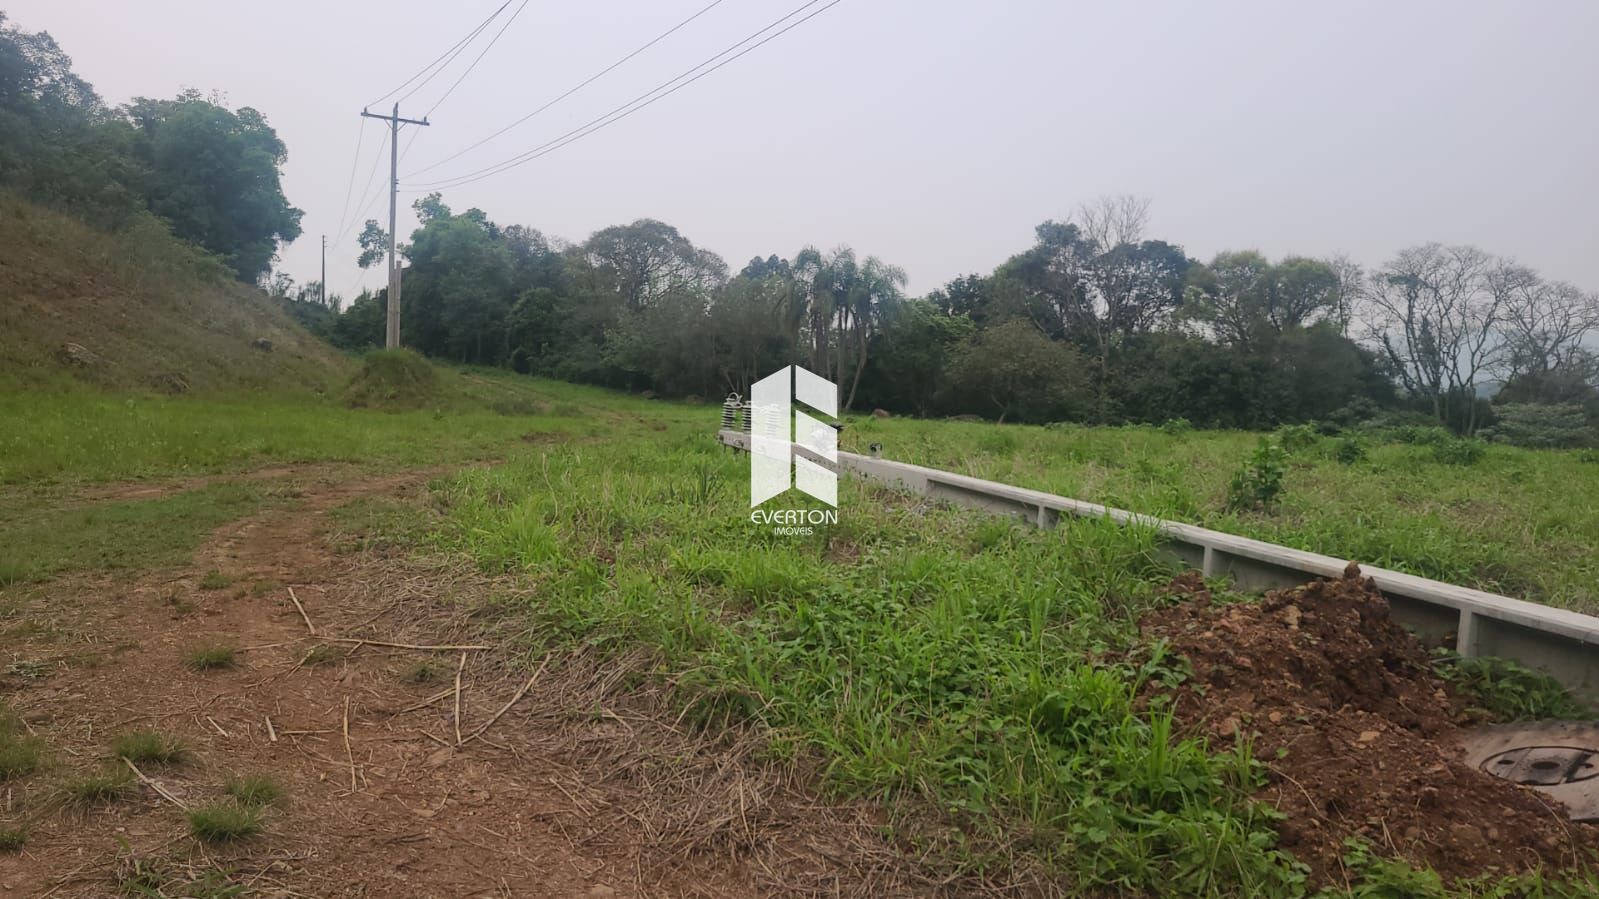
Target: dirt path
{"x":587,"y":785}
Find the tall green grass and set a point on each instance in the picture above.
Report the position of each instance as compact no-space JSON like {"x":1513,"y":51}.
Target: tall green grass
{"x":929,"y":658}
{"x":1517,"y":521}
{"x":84,"y":435}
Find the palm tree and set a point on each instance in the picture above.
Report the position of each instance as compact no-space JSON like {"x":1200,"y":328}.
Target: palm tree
{"x":876,"y":290}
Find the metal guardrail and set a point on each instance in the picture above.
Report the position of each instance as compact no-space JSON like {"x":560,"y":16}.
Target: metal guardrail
{"x":1562,"y":643}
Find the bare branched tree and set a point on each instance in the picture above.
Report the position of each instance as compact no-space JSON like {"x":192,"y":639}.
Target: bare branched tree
{"x":1113,"y":220}
{"x":1546,"y":324}
{"x":1434,"y":311}
{"x":1352,"y":284}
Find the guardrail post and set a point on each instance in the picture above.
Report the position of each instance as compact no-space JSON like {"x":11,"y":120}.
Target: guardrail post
{"x":1466,"y":634}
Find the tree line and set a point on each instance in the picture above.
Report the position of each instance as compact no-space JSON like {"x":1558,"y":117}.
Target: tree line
{"x":1095,"y":322}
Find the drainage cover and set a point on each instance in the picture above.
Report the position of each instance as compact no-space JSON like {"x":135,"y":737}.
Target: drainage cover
{"x":1543,"y":766}
{"x":1558,"y":758}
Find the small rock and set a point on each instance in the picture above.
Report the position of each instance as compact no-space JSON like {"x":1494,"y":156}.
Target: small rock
{"x":600,"y":891}
{"x":79,"y":355}
{"x":1292,"y":616}
{"x":881,"y":413}
{"x":262,"y":344}
{"x":1367,"y":736}
{"x":170,"y":383}
{"x":1465,"y":833}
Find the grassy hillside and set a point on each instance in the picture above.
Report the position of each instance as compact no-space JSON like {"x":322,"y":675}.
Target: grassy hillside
{"x":148,"y":312}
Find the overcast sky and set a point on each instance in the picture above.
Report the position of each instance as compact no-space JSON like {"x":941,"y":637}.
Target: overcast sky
{"x":933,"y":134}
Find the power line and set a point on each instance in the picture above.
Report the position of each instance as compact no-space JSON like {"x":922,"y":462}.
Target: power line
{"x":590,"y":80}
{"x":361,"y":204}
{"x":349,"y":188}
{"x":474,"y":63}
{"x":637,"y":103}
{"x":450,"y":53}
{"x":406,"y":150}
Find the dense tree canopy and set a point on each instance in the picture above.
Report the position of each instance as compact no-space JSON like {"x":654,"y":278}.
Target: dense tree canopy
{"x":212,"y":174}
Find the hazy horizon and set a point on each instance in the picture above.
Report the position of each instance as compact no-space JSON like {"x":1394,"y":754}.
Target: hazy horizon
{"x":933,"y":137}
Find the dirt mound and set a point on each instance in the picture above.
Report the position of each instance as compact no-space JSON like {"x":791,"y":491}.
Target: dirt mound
{"x":392,"y":379}
{"x":1359,"y":737}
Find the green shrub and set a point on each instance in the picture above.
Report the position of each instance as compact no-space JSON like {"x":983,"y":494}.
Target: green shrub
{"x":12,"y":839}
{"x":1359,"y":411}
{"x":1177,"y":426}
{"x":1420,"y":435}
{"x":1459,"y":451}
{"x":1589,"y":457}
{"x":1296,"y":438}
{"x":392,"y":379}
{"x":1508,"y":691}
{"x":1349,"y":450}
{"x":1543,"y":426}
{"x":1260,"y":482}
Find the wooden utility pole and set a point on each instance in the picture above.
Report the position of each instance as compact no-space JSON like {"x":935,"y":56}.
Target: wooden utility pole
{"x":323,"y":285}
{"x":392,"y":338}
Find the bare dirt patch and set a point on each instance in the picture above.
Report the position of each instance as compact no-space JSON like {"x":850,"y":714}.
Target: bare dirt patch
{"x":579,"y":781}
{"x":1360,"y":738}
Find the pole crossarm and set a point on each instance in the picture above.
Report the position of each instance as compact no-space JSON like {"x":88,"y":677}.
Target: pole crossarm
{"x":395,"y":119}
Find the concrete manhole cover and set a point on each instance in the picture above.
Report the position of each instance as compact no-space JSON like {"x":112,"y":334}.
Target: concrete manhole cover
{"x":1544,"y":766}
{"x":1557,"y":758}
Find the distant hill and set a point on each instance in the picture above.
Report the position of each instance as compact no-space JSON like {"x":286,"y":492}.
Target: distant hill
{"x":139,"y":309}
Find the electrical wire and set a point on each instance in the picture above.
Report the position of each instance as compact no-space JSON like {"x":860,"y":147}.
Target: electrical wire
{"x":585,"y":83}
{"x":361,"y":204}
{"x":637,"y":103}
{"x":479,"y":59}
{"x":444,"y":58}
{"x":355,"y":164}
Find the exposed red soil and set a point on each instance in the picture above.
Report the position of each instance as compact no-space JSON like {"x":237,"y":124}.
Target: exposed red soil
{"x":1359,"y":737}
{"x":587,"y":785}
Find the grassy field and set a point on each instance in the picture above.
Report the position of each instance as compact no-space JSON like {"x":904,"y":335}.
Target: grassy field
{"x":934,"y":660}
{"x":985,"y":681}
{"x":54,"y":443}
{"x":1518,"y":522}
{"x":82,"y":436}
